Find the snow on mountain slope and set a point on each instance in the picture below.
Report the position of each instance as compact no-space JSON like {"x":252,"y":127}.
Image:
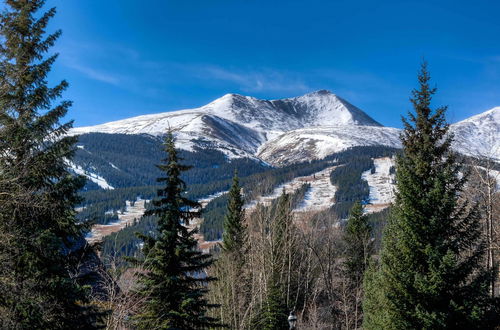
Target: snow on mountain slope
{"x":479,"y":135}
{"x":321,"y":189}
{"x":320,"y":195}
{"x":97,"y":179}
{"x":476,"y":136}
{"x":320,"y":108}
{"x":240,"y":124}
{"x":381,"y":183}
{"x":283,"y":131}
{"x":319,"y":142}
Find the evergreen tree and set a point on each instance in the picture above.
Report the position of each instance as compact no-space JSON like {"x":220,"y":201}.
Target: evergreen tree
{"x":39,"y":235}
{"x":174,"y":283}
{"x":358,"y":244}
{"x":234,"y":229}
{"x":431,"y":274}
{"x":230,"y":287}
{"x":274,"y":314}
{"x":359,"y":248}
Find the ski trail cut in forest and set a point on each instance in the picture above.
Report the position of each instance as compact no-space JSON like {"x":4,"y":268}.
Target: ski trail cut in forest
{"x":132,"y":212}
{"x":318,"y":197}
{"x":135,"y":212}
{"x":381,"y":184}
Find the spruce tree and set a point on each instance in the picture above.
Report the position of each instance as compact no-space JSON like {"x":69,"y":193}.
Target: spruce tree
{"x":229,"y":268}
{"x":233,"y":237}
{"x":431,"y":274}
{"x":174,"y":283}
{"x":359,"y":248}
{"x":39,"y":234}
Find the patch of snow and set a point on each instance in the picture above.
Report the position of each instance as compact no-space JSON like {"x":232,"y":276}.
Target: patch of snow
{"x":114,"y":166}
{"x":99,"y":180}
{"x":205,"y":200}
{"x":380,"y":183}
{"x":318,"y":197}
{"x":319,"y":142}
{"x":132,"y":212}
{"x":494,"y":174}
{"x":478,"y":136}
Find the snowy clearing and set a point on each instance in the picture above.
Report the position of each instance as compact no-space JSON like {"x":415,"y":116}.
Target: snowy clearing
{"x":134,"y":212}
{"x":321,"y":193}
{"x":318,"y":197}
{"x":99,"y":180}
{"x":126,"y":218}
{"x":381,"y":185}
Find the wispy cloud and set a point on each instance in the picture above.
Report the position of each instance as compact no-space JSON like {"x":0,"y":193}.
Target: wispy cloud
{"x":130,"y":70}
{"x":95,"y":74}
{"x":256,"y":81}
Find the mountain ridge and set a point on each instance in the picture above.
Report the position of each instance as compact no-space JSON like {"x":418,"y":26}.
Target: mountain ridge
{"x":278,"y":131}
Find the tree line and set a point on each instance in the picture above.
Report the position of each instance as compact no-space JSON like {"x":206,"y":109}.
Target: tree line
{"x":435,"y":267}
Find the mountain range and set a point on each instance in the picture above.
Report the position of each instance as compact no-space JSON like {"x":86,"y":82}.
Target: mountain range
{"x":290,"y":130}
{"x":329,"y":150}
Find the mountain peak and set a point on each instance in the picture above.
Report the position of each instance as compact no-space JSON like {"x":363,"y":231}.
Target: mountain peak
{"x":321,"y":92}
{"x":492,"y":115}
{"x":479,"y":135}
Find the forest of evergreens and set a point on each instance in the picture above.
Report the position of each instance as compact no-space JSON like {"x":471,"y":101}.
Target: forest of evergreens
{"x":429,"y":261}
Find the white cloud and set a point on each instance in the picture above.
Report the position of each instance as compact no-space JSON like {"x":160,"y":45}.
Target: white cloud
{"x":95,"y":74}
{"x":256,"y":81}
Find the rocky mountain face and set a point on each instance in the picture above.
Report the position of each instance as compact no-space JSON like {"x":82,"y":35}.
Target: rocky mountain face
{"x":289,"y":130}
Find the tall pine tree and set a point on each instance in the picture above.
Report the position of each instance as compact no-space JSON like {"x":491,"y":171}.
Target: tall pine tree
{"x":38,"y":230}
{"x":233,"y":237}
{"x":229,"y":267}
{"x":431,"y":274}
{"x":359,"y":248}
{"x":174,"y":283}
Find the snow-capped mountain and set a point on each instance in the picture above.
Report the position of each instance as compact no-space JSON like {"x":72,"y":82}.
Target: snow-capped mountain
{"x":479,"y":135}
{"x":282,"y":131}
{"x":238,"y":125}
{"x":319,"y":142}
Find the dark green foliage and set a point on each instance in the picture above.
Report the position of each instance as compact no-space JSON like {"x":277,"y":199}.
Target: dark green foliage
{"x":431,"y":274}
{"x":124,"y":160}
{"x":213,"y":218}
{"x":229,"y":267}
{"x":128,"y":160}
{"x":377,"y":222}
{"x":133,"y":174}
{"x":274,"y":315}
{"x":125,"y":242}
{"x":103,"y":206}
{"x":359,"y":248}
{"x":39,"y":236}
{"x":234,"y":230}
{"x":173,"y":283}
{"x":358,"y":251}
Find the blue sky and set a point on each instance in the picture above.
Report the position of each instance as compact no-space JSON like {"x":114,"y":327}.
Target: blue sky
{"x":129,"y":57}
